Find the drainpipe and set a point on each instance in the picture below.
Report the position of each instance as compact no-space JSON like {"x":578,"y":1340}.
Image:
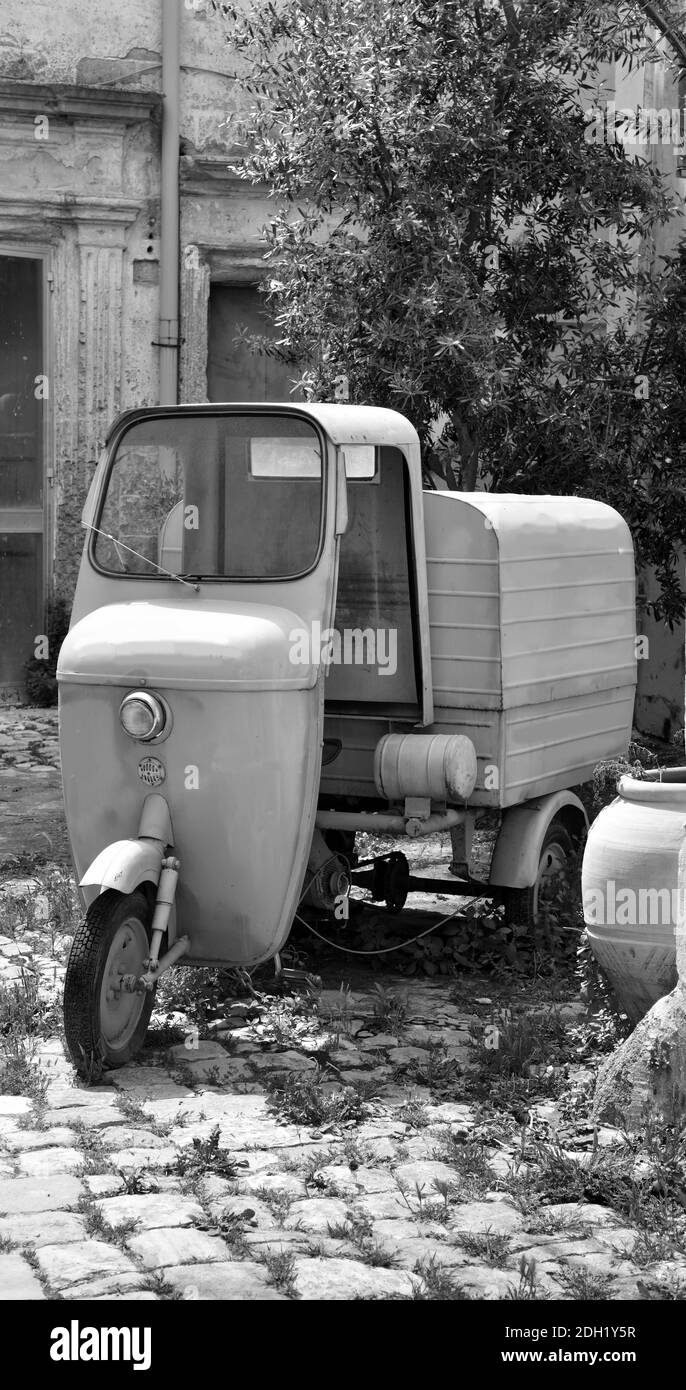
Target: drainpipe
{"x":168,"y":334}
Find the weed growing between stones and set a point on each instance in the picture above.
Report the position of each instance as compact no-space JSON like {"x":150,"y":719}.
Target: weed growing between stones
{"x":130,"y":1108}
{"x":35,"y":1117}
{"x":581,"y":1284}
{"x":518,"y":1045}
{"x":438,"y":1284}
{"x":357,"y":1230}
{"x":548,"y":1223}
{"x":207,"y":1156}
{"x":473,"y":1175}
{"x":24,"y":1009}
{"x":414,"y":1114}
{"x":389,"y":1010}
{"x":28,"y":1013}
{"x":286,"y":1021}
{"x":157,"y":1284}
{"x":100,"y":1229}
{"x":20,"y":1073}
{"x":440,"y":1073}
{"x":670,"y":1290}
{"x":421,"y":1205}
{"x":527,"y":1290}
{"x":339,"y":1019}
{"x":95,"y":1157}
{"x":279,"y":1203}
{"x":231,"y":1227}
{"x":280,"y":1267}
{"x":29,"y":1254}
{"x":653,"y":1246}
{"x":137,"y":1181}
{"x":311,"y":1100}
{"x":489,"y":1246}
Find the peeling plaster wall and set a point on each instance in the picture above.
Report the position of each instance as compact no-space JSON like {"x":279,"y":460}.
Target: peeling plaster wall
{"x":78,"y":41}
{"x":88,"y":195}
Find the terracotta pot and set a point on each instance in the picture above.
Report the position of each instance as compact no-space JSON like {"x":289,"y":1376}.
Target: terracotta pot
{"x":630,"y":887}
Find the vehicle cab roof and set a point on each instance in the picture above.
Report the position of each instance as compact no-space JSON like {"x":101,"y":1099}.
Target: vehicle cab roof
{"x":344,"y":424}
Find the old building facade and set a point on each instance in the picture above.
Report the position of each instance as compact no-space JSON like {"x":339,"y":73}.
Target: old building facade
{"x":82,"y":250}
{"x":130,"y":252}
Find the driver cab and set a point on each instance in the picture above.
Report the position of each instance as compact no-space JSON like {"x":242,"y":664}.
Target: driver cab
{"x":374,"y":652}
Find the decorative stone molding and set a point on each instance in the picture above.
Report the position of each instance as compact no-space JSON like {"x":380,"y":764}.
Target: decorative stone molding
{"x":50,"y":215}
{"x":77,"y":102}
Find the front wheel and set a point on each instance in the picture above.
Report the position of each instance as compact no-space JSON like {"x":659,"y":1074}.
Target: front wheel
{"x":105,"y":1025}
{"x":527,"y":906}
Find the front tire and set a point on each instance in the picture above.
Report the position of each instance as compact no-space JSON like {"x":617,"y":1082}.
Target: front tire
{"x":105,"y":1026}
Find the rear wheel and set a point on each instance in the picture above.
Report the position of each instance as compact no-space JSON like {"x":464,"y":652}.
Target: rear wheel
{"x":105,"y":1024}
{"x":527,"y":906}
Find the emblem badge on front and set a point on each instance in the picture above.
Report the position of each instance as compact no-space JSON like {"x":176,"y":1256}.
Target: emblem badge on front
{"x":151,"y":771}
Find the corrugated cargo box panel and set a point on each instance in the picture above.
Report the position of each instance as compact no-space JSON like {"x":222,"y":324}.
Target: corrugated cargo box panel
{"x":530,"y":598}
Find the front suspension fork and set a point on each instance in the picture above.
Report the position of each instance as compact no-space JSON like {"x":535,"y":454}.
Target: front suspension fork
{"x":154,"y":967}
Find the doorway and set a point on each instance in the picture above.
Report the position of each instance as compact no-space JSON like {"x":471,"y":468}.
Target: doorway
{"x":22,"y":459}
{"x":233,"y":372}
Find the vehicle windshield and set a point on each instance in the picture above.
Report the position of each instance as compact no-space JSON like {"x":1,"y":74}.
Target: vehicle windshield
{"x":213,"y":496}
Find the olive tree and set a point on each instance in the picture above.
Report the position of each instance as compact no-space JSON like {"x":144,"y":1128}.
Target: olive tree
{"x":448,"y":240}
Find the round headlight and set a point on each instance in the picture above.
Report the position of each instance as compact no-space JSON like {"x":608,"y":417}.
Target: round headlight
{"x":142,"y":716}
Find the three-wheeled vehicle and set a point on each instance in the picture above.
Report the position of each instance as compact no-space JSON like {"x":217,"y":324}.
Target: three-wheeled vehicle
{"x":278,"y":640}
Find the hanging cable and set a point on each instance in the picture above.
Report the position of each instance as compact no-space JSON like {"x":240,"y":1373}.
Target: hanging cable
{"x":383,"y":950}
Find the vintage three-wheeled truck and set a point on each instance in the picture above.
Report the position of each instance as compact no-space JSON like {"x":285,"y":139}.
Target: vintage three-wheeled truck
{"x":280,"y":639}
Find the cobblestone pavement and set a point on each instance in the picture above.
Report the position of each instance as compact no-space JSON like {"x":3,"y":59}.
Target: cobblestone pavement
{"x":31,"y":815}
{"x":331,"y":1150}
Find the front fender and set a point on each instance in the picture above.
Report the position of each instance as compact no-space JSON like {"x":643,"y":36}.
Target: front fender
{"x":124,"y":865}
{"x":517,"y":852}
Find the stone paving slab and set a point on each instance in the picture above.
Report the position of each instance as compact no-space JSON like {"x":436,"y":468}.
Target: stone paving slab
{"x":176,"y":1246}
{"x":245,"y":1281}
{"x":66,"y":1265}
{"x":43,"y":1163}
{"x":144,"y":1157}
{"x":43,"y":1228}
{"x":21,"y":1140}
{"x":17,"y":1280}
{"x":151,"y":1210}
{"x":59,"y":1193}
{"x":15,"y":1105}
{"x":336,"y":1279}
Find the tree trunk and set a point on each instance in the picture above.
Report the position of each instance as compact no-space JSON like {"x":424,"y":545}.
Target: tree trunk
{"x":469,"y":455}
{"x":646,"y":1077}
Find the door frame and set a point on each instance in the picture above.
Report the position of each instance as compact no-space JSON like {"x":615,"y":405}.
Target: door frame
{"x":42,"y":252}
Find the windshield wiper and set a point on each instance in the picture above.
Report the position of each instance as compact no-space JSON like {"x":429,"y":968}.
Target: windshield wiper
{"x":189,"y":584}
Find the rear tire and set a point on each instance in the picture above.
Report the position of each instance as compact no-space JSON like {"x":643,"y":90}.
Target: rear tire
{"x":105,"y":1026}
{"x":525,"y":907}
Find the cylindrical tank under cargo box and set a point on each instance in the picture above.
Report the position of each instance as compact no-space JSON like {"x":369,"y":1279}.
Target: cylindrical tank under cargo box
{"x":439,"y":766}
